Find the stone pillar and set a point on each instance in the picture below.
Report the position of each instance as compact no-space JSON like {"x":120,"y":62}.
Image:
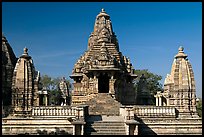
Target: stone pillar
{"x":78,"y":128}
{"x":65,"y":100}
{"x":82,"y":129}
{"x":132,"y":127}
{"x":160,"y":101}
{"x":96,"y":85}
{"x":111,"y":86}
{"x":74,"y":130}
{"x":95,"y":82}
{"x":38,"y":101}
{"x":46,"y":100}
{"x":167,"y":101}
{"x":157,"y":104}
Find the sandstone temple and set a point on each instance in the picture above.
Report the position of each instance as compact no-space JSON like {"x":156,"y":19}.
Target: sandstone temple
{"x":103,"y":68}
{"x":103,"y":100}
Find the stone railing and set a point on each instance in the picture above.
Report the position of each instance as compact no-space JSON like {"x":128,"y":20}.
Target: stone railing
{"x":59,"y":111}
{"x":129,"y":112}
{"x":154,"y":111}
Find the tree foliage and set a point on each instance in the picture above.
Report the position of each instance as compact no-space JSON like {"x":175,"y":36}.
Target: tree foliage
{"x":152,"y":81}
{"x":51,"y":84}
{"x":48,"y":82}
{"x":199,"y":107}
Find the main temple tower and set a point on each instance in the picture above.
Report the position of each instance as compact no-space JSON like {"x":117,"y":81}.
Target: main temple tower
{"x":103,"y":68}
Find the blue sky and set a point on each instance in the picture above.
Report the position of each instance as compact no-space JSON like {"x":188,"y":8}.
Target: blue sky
{"x":150,"y":33}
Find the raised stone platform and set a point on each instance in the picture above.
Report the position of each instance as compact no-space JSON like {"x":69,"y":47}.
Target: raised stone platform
{"x":169,"y":126}
{"x":36,"y":126}
{"x":47,"y":120}
{"x":161,"y":121}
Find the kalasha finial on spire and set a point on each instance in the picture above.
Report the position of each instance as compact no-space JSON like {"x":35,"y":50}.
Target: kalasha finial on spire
{"x":103,"y":13}
{"x":25,"y":51}
{"x":181,"y":49}
{"x":181,"y":53}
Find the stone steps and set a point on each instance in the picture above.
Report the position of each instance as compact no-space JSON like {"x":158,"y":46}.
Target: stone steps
{"x":94,"y":133}
{"x":103,"y":104}
{"x":113,"y":125}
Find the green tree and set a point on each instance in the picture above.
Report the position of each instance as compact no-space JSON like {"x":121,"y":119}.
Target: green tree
{"x":48,"y":82}
{"x":152,"y":82}
{"x":199,"y":107}
{"x":51,"y":84}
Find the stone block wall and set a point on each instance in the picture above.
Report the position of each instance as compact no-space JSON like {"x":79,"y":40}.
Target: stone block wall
{"x":46,"y":126}
{"x":160,"y":126}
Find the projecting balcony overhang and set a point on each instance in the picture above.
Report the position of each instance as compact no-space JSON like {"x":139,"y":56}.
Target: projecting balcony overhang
{"x":104,"y":69}
{"x":76,"y":75}
{"x":133,"y":76}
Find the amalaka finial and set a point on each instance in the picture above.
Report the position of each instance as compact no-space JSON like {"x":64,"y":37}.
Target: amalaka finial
{"x":181,"y":53}
{"x":102,"y":10}
{"x":181,"y":49}
{"x":25,"y":51}
{"x":103,"y":13}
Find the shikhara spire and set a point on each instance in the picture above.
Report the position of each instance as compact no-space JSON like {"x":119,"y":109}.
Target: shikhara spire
{"x":103,"y":31}
{"x":179,"y":86}
{"x":103,"y":62}
{"x":25,"y":85}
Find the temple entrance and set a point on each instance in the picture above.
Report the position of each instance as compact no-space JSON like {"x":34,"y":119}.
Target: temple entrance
{"x":103,"y":83}
{"x":41,"y":100}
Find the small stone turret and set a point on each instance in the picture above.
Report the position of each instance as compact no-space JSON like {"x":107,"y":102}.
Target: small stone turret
{"x":179,"y":86}
{"x":25,"y":85}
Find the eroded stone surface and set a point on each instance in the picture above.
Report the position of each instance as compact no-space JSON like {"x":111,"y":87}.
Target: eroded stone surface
{"x":8,"y":63}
